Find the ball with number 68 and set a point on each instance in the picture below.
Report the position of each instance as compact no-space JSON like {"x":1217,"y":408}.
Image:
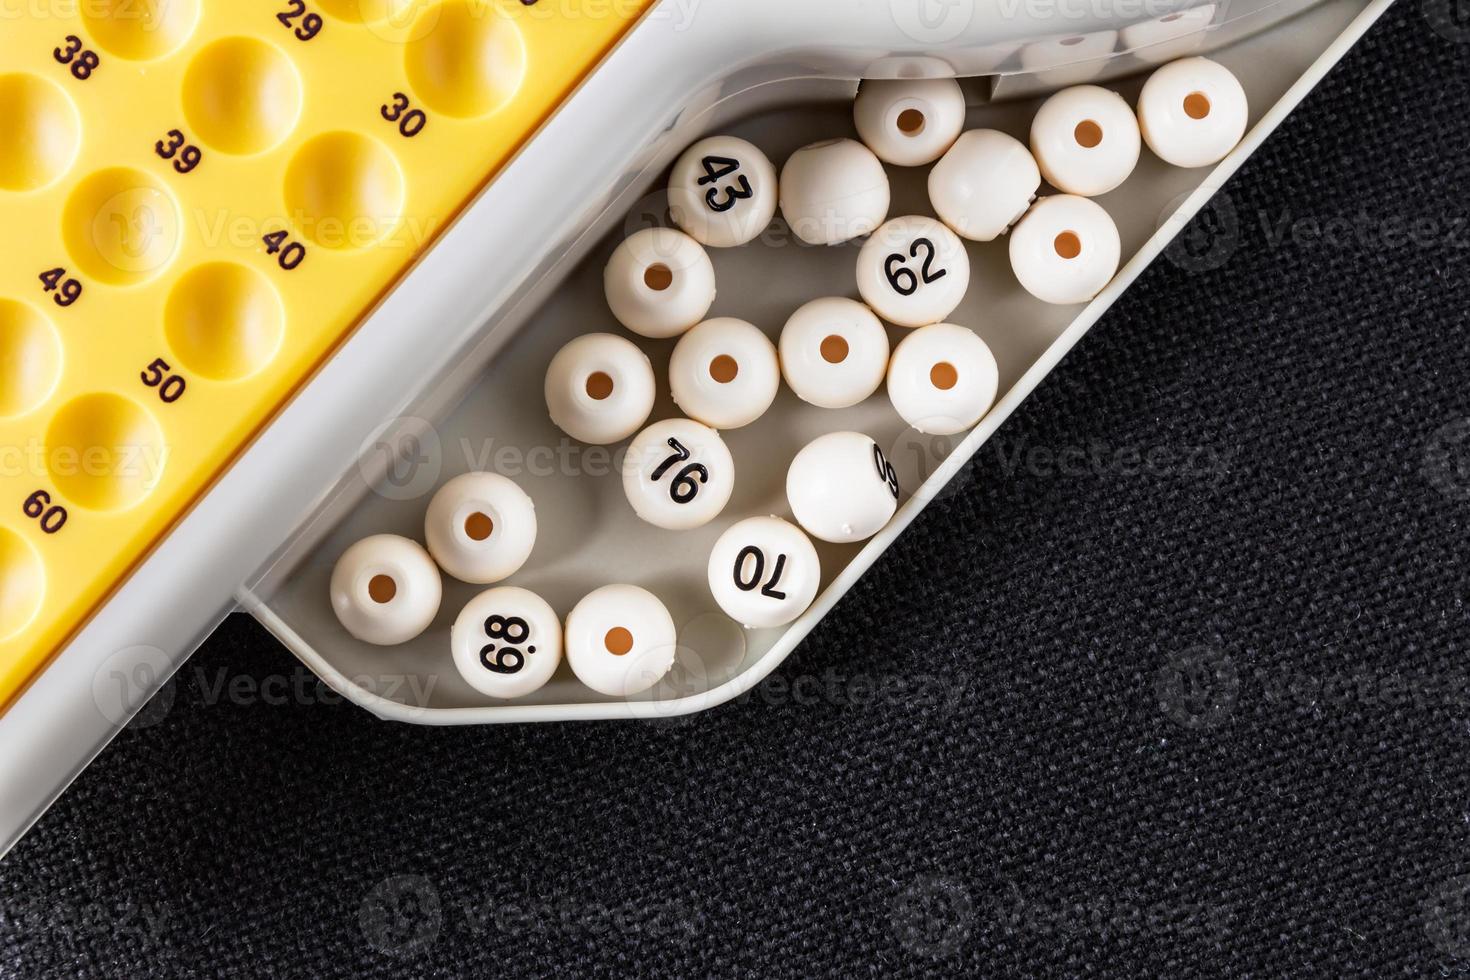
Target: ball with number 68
{"x":722,"y":191}
{"x":764,"y":572}
{"x":913,"y":271}
{"x":506,"y":642}
{"x":678,"y":474}
{"x":842,"y":488}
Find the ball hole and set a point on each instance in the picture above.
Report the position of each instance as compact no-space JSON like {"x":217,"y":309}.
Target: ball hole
{"x":944,"y":376}
{"x":382,"y":589}
{"x":478,"y":526}
{"x":724,"y":369}
{"x":1070,"y":41}
{"x":658,"y":277}
{"x":834,"y":349}
{"x":618,"y":641}
{"x":1196,"y":105}
{"x":1169,"y":19}
{"x":911,"y":122}
{"x":599,"y":385}
{"x":1088,"y":134}
{"x":1068,"y":245}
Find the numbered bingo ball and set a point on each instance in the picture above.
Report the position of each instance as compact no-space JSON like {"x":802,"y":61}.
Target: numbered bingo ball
{"x":480,"y":527}
{"x":842,"y":488}
{"x":599,"y":388}
{"x":942,"y":379}
{"x":764,"y":572}
{"x":722,"y":191}
{"x":620,"y":640}
{"x":1192,"y":112}
{"x":909,"y":122}
{"x":913,"y":271}
{"x":834,"y":352}
{"x":1065,"y":250}
{"x":506,"y":642}
{"x":724,"y":373}
{"x":385,"y":589}
{"x":1085,"y":139}
{"x":678,"y":474}
{"x":833,"y":192}
{"x":659,"y":282}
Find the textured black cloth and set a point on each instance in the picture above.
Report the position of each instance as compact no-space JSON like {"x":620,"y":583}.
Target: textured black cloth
{"x":1174,"y":683}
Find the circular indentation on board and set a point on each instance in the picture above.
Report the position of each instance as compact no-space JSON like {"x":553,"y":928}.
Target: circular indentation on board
{"x":104,"y":451}
{"x":22,"y":583}
{"x":344,"y":190}
{"x":30,"y":358}
{"x":241,"y":95}
{"x":140,"y":30}
{"x":39,"y":132}
{"x":465,"y":59}
{"x":224,"y":321}
{"x":121,"y":226}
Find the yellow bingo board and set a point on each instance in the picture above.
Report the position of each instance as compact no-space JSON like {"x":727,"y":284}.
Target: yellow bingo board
{"x":199,"y":199}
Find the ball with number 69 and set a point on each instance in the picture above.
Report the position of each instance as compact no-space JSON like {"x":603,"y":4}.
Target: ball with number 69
{"x":764,"y":572}
{"x":842,"y":488}
{"x":722,"y":191}
{"x":913,"y":271}
{"x":678,"y":474}
{"x":507,"y":642}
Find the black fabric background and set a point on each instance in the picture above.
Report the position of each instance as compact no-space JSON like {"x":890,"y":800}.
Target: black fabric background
{"x":1196,"y":706}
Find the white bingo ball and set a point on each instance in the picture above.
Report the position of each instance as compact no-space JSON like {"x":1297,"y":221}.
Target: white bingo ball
{"x":1067,"y":59}
{"x":1085,"y":139}
{"x":385,"y":589}
{"x":909,"y":122}
{"x":833,"y":191}
{"x":1192,"y":112}
{"x":659,"y":282}
{"x":724,"y":373}
{"x":722,"y":191}
{"x":1065,"y":250}
{"x":834,"y":352}
{"x":913,"y":271}
{"x":480,"y":527}
{"x":678,"y":474}
{"x":620,"y":640}
{"x":506,"y":642}
{"x":842,"y":488}
{"x":1168,"y":37}
{"x":599,"y":388}
{"x":764,"y":572}
{"x":984,"y":184}
{"x":942,"y":379}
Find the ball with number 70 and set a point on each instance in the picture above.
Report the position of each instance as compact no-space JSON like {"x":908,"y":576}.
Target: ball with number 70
{"x":764,"y":572}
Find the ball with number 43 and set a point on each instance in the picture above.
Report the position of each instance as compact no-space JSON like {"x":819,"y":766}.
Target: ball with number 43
{"x":678,"y":474}
{"x":722,"y":191}
{"x":764,"y":572}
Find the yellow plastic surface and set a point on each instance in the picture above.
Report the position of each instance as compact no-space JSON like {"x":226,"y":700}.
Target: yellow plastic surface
{"x":147,"y":150}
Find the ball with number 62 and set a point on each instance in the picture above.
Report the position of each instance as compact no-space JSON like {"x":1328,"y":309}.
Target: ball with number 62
{"x":678,"y":474}
{"x":507,"y":642}
{"x":764,"y":572}
{"x":913,"y":271}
